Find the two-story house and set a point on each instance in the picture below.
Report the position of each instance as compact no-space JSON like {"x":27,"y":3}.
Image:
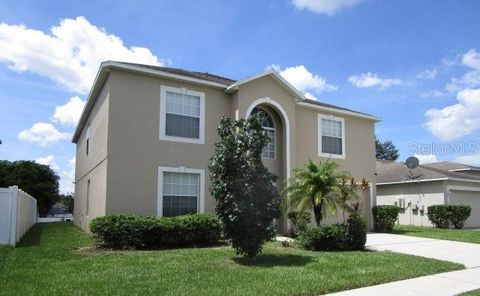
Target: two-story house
{"x":147,"y":134}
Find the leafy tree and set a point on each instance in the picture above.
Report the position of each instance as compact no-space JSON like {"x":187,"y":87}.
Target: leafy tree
{"x":386,"y":150}
{"x":315,"y":187}
{"x":38,"y":180}
{"x":67,"y":201}
{"x":247,"y":199}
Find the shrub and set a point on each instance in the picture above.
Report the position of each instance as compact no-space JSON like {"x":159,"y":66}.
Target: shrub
{"x":357,"y":229}
{"x":384,"y":217}
{"x":323,"y":238}
{"x":351,"y":235}
{"x":458,"y":214}
{"x":442,"y":215}
{"x":300,"y":221}
{"x":134,"y":232}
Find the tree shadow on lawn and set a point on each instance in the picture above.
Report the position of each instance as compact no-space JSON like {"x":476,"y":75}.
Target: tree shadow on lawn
{"x":273,"y":260}
{"x":32,"y":237}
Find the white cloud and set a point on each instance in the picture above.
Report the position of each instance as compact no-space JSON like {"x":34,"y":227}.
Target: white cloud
{"x":311,"y":96}
{"x":471,"y":78}
{"x":304,"y":80}
{"x":472,"y":59}
{"x":432,"y":93}
{"x":48,"y":160}
{"x":468,"y":80}
{"x":42,"y":133}
{"x":426,"y":158}
{"x":70,"y":112}
{"x":469,"y":159}
{"x":428,"y":74}
{"x":328,"y":7}
{"x":70,"y":54}
{"x":368,"y":79}
{"x":457,"y":120}
{"x":67,"y":177}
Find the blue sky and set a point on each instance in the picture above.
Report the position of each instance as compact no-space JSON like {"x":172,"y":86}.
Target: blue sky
{"x":416,"y":64}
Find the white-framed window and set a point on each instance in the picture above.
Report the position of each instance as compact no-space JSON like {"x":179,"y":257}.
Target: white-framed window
{"x":180,"y":191}
{"x":182,"y":115}
{"x":269,"y":126}
{"x":331,"y":136}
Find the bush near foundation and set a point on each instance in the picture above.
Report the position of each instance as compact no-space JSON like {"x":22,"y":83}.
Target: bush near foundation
{"x":384,"y":218}
{"x":351,"y":235}
{"x":442,"y":216}
{"x":135,"y":232}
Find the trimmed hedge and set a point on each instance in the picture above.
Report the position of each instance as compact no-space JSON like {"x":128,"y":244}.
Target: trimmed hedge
{"x":384,"y":217}
{"x":351,"y":235}
{"x":442,"y":215}
{"x":135,"y":232}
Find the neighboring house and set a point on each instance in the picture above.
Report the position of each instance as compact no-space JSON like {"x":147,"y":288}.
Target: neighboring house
{"x":58,"y":210}
{"x":429,"y":184}
{"x":147,"y":133}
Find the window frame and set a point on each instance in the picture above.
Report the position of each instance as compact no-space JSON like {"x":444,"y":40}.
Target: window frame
{"x":272,"y":129}
{"x":163,"y":115}
{"x":201,"y":193}
{"x":319,"y":135}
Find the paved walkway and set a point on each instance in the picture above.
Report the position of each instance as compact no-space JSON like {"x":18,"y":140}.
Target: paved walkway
{"x":449,"y":283}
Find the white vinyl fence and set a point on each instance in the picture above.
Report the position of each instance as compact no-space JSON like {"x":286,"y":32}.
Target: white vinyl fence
{"x":18,"y":212}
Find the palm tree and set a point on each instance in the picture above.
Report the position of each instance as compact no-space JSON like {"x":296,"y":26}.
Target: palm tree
{"x":315,"y":187}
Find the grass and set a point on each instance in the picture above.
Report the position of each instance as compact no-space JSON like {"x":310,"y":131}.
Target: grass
{"x":472,"y":293}
{"x":461,"y":235}
{"x":58,"y":259}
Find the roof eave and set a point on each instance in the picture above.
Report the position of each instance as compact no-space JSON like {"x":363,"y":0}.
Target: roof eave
{"x":340,"y":111}
{"x":102,"y":74}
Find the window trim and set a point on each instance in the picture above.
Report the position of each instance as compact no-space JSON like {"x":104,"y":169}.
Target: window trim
{"x":163,"y":115}
{"x":319,"y":135}
{"x":274,"y":129}
{"x":181,"y":169}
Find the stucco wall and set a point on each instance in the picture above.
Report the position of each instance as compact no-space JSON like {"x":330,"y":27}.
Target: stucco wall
{"x":135,"y":150}
{"x":427,"y":194}
{"x":92,"y":166}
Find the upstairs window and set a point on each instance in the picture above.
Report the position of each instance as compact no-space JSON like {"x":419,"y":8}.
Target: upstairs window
{"x":331,"y":138}
{"x":87,"y":143}
{"x":182,"y":115}
{"x":269,"y":126}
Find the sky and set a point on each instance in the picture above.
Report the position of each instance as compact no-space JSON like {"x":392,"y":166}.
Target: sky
{"x":413,"y":63}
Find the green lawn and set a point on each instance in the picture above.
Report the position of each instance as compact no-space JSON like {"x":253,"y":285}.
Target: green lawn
{"x":472,"y":293}
{"x":461,"y":235}
{"x":57,"y":259}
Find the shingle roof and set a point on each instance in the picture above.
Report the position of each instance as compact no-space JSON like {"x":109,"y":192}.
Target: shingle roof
{"x":394,"y":172}
{"x":200,"y":75}
{"x":334,"y":107}
{"x":451,"y":166}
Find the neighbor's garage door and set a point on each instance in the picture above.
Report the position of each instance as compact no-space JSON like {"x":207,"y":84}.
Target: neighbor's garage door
{"x":469,"y":198}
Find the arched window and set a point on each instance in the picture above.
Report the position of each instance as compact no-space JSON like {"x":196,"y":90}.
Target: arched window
{"x":268,"y":125}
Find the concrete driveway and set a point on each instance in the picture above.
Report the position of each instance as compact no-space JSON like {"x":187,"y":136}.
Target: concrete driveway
{"x":463,"y":253}
{"x":448,"y":283}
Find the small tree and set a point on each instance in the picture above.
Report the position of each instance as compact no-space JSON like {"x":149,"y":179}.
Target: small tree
{"x":315,"y":187}
{"x":247,"y":199}
{"x":386,"y":150}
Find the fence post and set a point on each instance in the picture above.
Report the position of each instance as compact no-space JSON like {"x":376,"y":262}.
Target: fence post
{"x":13,"y":214}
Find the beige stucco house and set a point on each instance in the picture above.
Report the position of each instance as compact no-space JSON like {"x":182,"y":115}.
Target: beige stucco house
{"x":147,"y":133}
{"x":430,"y":184}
